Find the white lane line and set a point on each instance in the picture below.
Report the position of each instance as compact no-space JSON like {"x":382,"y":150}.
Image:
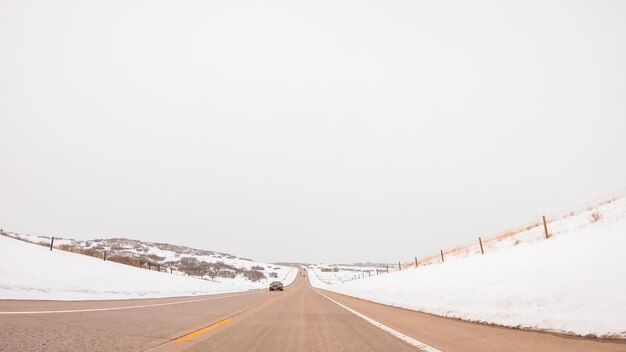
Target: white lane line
{"x":120,"y":308}
{"x":418,"y":344}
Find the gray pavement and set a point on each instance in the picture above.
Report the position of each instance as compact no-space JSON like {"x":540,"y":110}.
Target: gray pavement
{"x":298,"y":319}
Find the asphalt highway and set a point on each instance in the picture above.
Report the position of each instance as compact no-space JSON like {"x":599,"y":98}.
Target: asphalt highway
{"x":298,"y":319}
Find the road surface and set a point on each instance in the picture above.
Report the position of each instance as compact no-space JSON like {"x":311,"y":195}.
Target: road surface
{"x":298,"y":319}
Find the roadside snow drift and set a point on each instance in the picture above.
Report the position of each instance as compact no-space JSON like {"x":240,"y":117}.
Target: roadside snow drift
{"x":574,"y":283}
{"x":29,"y":271}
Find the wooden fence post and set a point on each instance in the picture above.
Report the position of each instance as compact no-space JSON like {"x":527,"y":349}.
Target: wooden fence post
{"x":416,"y":262}
{"x":441,"y":251}
{"x":105,"y":256}
{"x":52,"y":243}
{"x":482,"y":251}
{"x":399,"y":266}
{"x":387,"y":268}
{"x":545,"y":227}
{"x":171,"y":271}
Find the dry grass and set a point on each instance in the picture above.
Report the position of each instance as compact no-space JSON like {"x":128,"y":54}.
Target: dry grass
{"x":521,"y":234}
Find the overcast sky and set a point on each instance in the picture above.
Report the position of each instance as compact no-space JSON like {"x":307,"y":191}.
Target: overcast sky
{"x":332,"y":131}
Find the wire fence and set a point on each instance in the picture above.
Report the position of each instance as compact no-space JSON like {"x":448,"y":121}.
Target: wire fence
{"x":343,"y":275}
{"x":67,"y":246}
{"x":608,"y":209}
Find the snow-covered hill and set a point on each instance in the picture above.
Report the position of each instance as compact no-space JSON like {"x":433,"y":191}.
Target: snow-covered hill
{"x":339,"y":273}
{"x":573,"y":283}
{"x":29,"y":271}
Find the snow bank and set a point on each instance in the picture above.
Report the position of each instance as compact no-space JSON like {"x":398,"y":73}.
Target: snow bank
{"x":572,"y":284}
{"x":29,"y":271}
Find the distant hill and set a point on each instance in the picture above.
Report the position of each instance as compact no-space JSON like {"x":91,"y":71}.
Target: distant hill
{"x":210,"y":265}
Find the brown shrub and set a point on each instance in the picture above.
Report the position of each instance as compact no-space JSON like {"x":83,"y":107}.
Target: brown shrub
{"x":253,"y":275}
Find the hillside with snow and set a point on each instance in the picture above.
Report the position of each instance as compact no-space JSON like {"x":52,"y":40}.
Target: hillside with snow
{"x":572,"y":283}
{"x":30,"y":271}
{"x":339,"y":273}
{"x":210,"y":265}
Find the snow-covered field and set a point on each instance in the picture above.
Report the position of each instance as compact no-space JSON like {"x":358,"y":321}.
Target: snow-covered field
{"x":338,"y":273}
{"x":574,"y":283}
{"x":29,"y":271}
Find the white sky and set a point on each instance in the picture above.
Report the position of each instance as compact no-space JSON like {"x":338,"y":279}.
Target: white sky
{"x":332,"y":131}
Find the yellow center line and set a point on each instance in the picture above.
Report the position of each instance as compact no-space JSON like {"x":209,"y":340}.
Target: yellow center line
{"x":221,"y":322}
{"x":203,"y":330}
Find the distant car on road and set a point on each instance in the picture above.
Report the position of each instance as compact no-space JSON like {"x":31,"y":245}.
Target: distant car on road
{"x":276,"y":286}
